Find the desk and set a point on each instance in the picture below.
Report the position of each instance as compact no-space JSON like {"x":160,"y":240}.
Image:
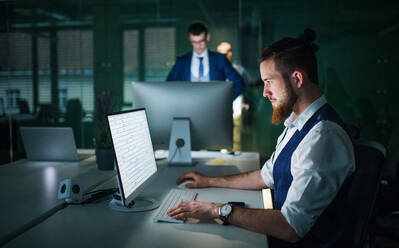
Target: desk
{"x":97,"y":225}
{"x":28,"y":190}
{"x":245,"y":161}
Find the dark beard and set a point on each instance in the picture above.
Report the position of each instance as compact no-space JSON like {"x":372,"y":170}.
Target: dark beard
{"x":282,"y":111}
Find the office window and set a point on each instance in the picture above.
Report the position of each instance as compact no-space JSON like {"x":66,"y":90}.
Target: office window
{"x":159,"y":52}
{"x":15,"y":70}
{"x":44,"y":73}
{"x":63,"y":99}
{"x":75,"y":67}
{"x":130,"y":61}
{"x":16,"y":49}
{"x":158,"y":56}
{"x":12,"y":97}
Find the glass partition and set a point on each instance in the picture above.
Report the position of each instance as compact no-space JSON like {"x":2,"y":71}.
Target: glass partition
{"x":55,"y":58}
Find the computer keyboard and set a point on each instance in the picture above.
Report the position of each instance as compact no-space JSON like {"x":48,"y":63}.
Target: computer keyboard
{"x":174,"y":197}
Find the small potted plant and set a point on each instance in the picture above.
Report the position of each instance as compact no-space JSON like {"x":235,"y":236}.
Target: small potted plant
{"x":104,"y":153}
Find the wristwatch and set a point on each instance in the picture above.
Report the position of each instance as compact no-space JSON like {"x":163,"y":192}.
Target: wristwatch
{"x":224,"y":213}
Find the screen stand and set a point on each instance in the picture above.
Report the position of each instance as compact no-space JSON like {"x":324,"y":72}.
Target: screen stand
{"x":140,"y":204}
{"x":180,"y":143}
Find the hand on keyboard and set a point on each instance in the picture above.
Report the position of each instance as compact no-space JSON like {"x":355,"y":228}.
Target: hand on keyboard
{"x":174,"y":197}
{"x":195,"y":209}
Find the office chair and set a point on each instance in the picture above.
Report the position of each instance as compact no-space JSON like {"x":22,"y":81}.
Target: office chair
{"x":73,"y":118}
{"x":349,"y":220}
{"x":48,"y":113}
{"x":362,"y":194}
{"x":391,"y":170}
{"x":23,"y":106}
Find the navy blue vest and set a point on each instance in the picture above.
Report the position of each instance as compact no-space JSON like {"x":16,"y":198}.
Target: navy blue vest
{"x":282,"y":166}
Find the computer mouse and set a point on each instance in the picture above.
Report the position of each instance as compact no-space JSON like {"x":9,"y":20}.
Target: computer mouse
{"x":183,"y":184}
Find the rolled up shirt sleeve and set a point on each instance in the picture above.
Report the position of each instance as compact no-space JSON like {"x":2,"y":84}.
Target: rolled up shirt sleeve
{"x":319,"y":166}
{"x":267,"y":173}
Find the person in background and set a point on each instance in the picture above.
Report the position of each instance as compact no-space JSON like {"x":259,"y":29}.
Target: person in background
{"x":314,"y":156}
{"x":226,"y":49}
{"x":202,"y":64}
{"x":238,"y":103}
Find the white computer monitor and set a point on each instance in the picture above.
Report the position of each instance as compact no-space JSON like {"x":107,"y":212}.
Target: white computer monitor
{"x":134,"y":158}
{"x":208,"y":105}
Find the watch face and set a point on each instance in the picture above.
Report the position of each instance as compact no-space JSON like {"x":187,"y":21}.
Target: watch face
{"x":225,"y":210}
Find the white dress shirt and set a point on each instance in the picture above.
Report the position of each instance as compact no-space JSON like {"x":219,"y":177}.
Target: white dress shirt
{"x":195,"y":63}
{"x":319,"y":166}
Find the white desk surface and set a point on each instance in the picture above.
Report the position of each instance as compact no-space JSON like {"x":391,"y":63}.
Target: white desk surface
{"x":29,"y":189}
{"x":97,"y":225}
{"x":245,"y":161}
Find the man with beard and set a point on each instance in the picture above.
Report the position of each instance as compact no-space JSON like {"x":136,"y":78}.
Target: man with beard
{"x":313,"y":157}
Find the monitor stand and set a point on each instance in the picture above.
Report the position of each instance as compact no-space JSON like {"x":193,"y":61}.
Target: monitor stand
{"x":140,"y":204}
{"x":180,"y":143}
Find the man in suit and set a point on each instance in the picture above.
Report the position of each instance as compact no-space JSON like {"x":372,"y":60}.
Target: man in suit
{"x":202,"y":64}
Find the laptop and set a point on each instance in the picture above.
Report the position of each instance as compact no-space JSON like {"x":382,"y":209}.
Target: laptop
{"x":50,"y":144}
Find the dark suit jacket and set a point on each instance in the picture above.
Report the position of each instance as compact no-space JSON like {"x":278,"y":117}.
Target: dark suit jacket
{"x":220,"y":69}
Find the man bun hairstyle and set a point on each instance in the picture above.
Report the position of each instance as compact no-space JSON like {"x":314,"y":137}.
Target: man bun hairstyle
{"x":307,"y":38}
{"x":290,"y":54}
{"x":197,"y":27}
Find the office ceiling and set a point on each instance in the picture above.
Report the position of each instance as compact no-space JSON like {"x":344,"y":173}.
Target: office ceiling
{"x":347,"y":16}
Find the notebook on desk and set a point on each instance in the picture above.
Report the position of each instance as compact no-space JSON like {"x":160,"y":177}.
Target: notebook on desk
{"x":50,"y":144}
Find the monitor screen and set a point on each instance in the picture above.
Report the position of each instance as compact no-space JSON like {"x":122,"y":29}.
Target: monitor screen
{"x":135,"y":161}
{"x":208,"y":105}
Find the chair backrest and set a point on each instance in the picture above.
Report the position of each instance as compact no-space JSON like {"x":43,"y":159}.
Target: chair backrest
{"x":363,"y":191}
{"x":49,"y":113}
{"x":348,"y":220}
{"x":23,"y":106}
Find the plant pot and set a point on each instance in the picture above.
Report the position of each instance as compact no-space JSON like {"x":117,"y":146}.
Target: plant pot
{"x":105,"y":158}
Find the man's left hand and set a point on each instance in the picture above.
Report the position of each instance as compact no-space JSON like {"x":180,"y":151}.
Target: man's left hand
{"x":195,"y":209}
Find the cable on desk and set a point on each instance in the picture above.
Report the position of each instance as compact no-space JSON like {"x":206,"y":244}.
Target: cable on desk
{"x":95,"y":195}
{"x":101,"y":190}
{"x":174,"y":154}
{"x":179,"y":144}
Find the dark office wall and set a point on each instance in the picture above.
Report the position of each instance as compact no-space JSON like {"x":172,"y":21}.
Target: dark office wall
{"x":358,"y":54}
{"x":357,"y":58}
{"x":358,"y":81}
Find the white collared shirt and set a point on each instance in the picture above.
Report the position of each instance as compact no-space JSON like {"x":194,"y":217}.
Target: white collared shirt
{"x":319,"y":166}
{"x":195,"y":63}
